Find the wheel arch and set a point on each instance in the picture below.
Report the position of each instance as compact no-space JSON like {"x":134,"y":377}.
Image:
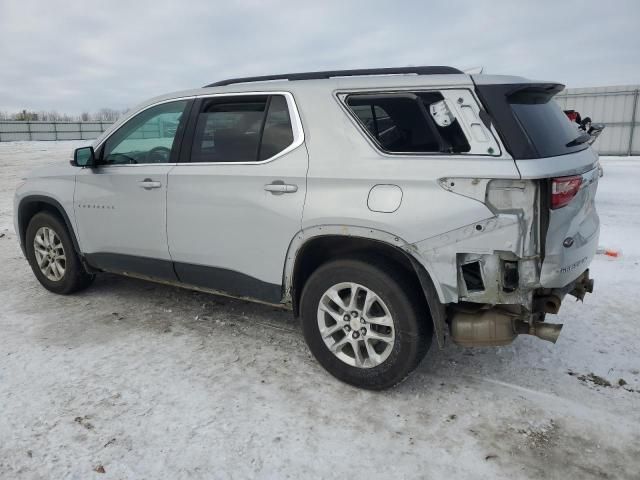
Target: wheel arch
{"x":313,"y":246}
{"x":33,"y":204}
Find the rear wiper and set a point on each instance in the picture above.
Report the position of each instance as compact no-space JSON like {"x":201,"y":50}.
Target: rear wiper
{"x":585,"y":137}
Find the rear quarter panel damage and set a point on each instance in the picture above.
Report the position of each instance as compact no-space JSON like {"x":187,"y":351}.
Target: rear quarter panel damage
{"x":433,"y":224}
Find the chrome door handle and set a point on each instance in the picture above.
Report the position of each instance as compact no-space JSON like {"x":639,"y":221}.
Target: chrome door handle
{"x":278,"y":188}
{"x":148,"y":184}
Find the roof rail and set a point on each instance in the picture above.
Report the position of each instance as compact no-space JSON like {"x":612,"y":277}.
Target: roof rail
{"x":434,"y":70}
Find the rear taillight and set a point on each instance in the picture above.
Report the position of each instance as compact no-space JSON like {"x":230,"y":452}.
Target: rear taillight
{"x":563,"y":189}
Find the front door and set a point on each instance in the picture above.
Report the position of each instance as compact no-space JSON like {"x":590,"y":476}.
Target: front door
{"x":120,"y":205}
{"x":235,"y":206}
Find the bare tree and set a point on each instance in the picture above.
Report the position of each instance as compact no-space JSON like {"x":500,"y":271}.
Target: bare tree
{"x":27,"y":116}
{"x":102,"y":115}
{"x":108,"y":114}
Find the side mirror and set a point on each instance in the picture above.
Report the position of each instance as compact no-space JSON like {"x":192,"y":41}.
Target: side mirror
{"x":84,"y":157}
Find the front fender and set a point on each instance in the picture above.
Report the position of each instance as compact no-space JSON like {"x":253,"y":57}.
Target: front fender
{"x":24,"y":212}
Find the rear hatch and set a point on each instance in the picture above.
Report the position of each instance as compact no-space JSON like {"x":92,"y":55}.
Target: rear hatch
{"x":573,"y":228}
{"x":547,"y":147}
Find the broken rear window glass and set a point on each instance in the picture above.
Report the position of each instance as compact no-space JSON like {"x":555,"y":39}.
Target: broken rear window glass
{"x":402,"y":123}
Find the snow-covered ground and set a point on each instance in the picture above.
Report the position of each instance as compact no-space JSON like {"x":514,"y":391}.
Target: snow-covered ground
{"x":147,"y":381}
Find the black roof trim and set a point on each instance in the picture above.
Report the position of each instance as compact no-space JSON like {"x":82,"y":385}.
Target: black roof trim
{"x":434,"y":70}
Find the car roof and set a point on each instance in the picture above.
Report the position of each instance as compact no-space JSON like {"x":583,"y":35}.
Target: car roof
{"x":423,"y":70}
{"x":329,"y":81}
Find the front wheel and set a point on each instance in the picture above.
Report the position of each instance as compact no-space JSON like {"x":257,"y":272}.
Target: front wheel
{"x":365,"y":322}
{"x":52,"y":257}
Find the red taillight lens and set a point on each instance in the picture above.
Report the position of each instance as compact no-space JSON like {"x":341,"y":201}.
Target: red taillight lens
{"x":563,"y":189}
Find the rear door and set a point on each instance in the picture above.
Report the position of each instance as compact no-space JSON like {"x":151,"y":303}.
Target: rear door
{"x":235,"y":203}
{"x":120,"y":205}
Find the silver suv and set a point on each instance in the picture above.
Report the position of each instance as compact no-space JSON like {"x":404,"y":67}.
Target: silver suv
{"x":384,"y":207}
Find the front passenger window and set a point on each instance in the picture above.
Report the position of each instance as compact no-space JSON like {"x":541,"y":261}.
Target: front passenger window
{"x":149,"y":137}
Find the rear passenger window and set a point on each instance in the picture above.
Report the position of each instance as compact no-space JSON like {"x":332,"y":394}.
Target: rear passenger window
{"x":242,"y":129}
{"x":277,"y":134}
{"x":402,"y":123}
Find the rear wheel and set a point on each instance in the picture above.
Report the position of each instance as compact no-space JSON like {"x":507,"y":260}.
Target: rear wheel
{"x":52,"y":257}
{"x":364,"y":322}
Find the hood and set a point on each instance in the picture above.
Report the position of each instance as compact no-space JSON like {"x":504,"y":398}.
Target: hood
{"x":58,"y":169}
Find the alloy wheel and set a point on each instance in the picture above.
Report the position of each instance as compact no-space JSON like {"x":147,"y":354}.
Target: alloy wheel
{"x":356,"y":325}
{"x":50,"y":254}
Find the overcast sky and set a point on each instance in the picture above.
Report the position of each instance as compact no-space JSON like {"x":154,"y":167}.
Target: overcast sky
{"x":74,"y":56}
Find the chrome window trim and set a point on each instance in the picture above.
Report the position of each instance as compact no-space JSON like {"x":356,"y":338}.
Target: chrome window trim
{"x":294,"y":115}
{"x":138,"y":165}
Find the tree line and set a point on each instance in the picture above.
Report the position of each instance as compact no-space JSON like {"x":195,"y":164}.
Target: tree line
{"x":102,"y":115}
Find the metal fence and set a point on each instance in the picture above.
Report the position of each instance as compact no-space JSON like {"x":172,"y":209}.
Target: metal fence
{"x":24,"y":131}
{"x":616,"y":107}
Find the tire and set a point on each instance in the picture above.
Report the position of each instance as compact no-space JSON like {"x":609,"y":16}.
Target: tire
{"x":66,"y":276}
{"x":405,"y":343}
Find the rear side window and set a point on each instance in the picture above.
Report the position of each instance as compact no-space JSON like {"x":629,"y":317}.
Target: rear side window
{"x":402,"y":123}
{"x":548,"y":128}
{"x":277,"y":134}
{"x":531,"y":123}
{"x":242,"y":129}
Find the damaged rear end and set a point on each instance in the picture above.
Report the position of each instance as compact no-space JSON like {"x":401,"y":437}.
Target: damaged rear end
{"x":516,"y":268}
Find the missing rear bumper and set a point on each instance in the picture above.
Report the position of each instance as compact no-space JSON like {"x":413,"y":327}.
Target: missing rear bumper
{"x":500,"y":325}
{"x":582,"y":286}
